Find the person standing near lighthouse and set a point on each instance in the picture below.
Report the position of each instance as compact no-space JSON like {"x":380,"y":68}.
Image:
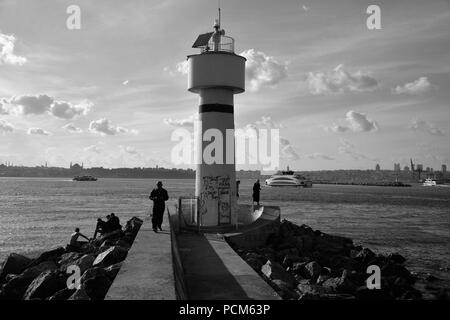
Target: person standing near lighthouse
{"x":159,"y":197}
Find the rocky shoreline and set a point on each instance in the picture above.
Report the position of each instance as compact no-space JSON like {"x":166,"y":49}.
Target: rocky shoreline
{"x":46,"y":277}
{"x":305,"y":264}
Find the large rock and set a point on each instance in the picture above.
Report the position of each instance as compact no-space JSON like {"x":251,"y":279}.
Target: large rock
{"x":312,"y":270}
{"x":63,"y":294}
{"x":80,"y":294}
{"x":97,"y":288}
{"x":69,"y":258}
{"x":52,"y":255}
{"x":45,"y":285}
{"x":396,"y":257}
{"x":93,"y":273}
{"x":85,"y":262}
{"x":275,"y":271}
{"x":284,"y":290}
{"x":342,"y":284}
{"x":15,"y":288}
{"x":14,"y":264}
{"x":113,"y":270}
{"x":36,"y":270}
{"x":312,"y":289}
{"x":133,"y":225}
{"x":111,"y":256}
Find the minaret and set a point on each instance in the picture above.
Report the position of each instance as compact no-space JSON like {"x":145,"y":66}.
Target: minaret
{"x":216,"y":74}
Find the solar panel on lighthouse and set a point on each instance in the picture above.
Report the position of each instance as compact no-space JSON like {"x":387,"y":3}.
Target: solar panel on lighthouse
{"x":202,"y":40}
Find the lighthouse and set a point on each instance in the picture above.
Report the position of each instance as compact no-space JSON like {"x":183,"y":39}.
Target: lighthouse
{"x":216,"y":74}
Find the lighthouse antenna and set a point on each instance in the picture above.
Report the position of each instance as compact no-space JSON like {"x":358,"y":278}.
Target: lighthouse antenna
{"x":219,"y":14}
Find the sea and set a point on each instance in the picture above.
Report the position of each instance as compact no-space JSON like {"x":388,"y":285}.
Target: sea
{"x":38,"y":214}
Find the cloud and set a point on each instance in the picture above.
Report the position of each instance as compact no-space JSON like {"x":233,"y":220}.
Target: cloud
{"x":182,"y":123}
{"x":126,"y":82}
{"x":5,"y":126}
{"x":40,"y":104}
{"x":70,"y":127}
{"x":320,"y":156}
{"x":105,"y":128}
{"x":263,"y":70}
{"x":305,"y":8}
{"x":7,"y":55}
{"x":426,"y":127}
{"x":38,"y":131}
{"x":2,"y":107}
{"x":418,"y":86}
{"x":357,"y":122}
{"x":67,"y":110}
{"x":29,"y":104}
{"x":182,"y":67}
{"x":339,"y":81}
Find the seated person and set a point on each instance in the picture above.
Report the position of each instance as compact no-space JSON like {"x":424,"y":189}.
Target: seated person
{"x":74,"y":239}
{"x":103,"y":226}
{"x":114,"y":223}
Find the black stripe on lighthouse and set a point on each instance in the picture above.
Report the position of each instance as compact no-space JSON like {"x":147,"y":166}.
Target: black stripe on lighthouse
{"x":225,"y":108}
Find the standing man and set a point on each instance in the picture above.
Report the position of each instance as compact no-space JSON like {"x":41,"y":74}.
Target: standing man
{"x":256,"y":192}
{"x":159,"y":197}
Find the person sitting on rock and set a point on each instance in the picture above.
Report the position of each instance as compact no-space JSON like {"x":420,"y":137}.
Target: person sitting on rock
{"x":103,"y":227}
{"x":74,"y":239}
{"x":114,"y":222}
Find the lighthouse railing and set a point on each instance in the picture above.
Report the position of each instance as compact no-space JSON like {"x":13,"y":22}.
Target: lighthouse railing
{"x":226,"y":44}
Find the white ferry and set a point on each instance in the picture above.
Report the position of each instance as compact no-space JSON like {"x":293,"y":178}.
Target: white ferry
{"x":288,"y":178}
{"x":429,"y":183}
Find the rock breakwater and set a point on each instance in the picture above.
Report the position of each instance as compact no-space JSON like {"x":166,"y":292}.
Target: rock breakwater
{"x":306,"y":264}
{"x":46,"y":277}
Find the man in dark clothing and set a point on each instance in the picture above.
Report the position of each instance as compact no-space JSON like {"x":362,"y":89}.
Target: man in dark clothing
{"x":114,"y":223}
{"x":159,"y":197}
{"x":102,"y":227}
{"x":256,"y":192}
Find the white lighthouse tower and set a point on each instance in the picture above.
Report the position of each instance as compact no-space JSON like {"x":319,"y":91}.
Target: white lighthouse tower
{"x":216,"y":74}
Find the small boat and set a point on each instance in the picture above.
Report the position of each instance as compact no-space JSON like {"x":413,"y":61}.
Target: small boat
{"x":288,"y":178}
{"x":429,"y":183}
{"x":84,"y":178}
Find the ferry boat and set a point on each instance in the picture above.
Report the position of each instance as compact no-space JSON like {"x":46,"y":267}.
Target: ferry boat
{"x":288,"y":178}
{"x":84,"y":178}
{"x":429,"y":183}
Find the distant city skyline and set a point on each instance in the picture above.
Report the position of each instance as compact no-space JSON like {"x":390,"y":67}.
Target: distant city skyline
{"x":111,"y":93}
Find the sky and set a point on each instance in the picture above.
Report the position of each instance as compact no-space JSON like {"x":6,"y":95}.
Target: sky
{"x":112,"y":93}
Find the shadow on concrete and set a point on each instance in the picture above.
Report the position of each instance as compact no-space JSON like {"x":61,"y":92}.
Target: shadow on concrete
{"x":206,"y":275}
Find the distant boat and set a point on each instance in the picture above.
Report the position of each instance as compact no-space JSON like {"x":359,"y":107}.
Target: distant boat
{"x":429,"y":183}
{"x":288,"y":178}
{"x":84,"y":178}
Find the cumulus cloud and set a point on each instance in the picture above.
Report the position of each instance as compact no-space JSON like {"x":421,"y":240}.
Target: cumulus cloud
{"x":5,"y":126}
{"x":7,"y":55}
{"x":129,"y":150}
{"x":426,"y":127}
{"x":319,"y":156}
{"x":182,"y":67}
{"x":40,"y":104}
{"x":357,"y":122}
{"x":418,"y":86}
{"x":182,"y":123}
{"x":70,"y":127}
{"x":263,"y":70}
{"x":126,"y":82}
{"x":339,"y":81}
{"x":2,"y":107}
{"x":305,"y":8}
{"x":105,"y":128}
{"x":29,"y":104}
{"x":67,"y":110}
{"x":38,"y":131}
